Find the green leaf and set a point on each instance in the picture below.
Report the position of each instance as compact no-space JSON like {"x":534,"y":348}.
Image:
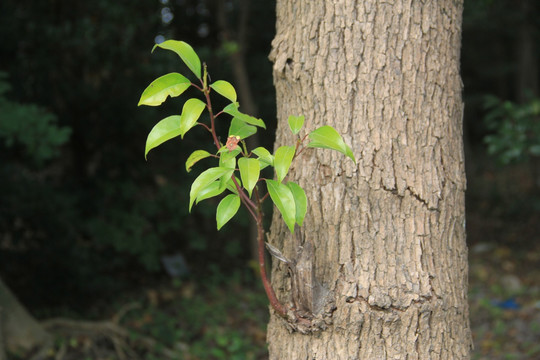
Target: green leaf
{"x":194,"y":157}
{"x":296,"y":123}
{"x":227,"y":161}
{"x":191,"y":112}
{"x":283,"y":198}
{"x":232,"y":109}
{"x":224,"y":88}
{"x":249,"y":172}
{"x":213,"y":189}
{"x":186,"y":53}
{"x":164,"y":130}
{"x":204,"y":179}
{"x":300,"y":201}
{"x":156,"y":93}
{"x":282,"y":161}
{"x":327,"y":137}
{"x":227,"y":208}
{"x":265,"y":158}
{"x":240,"y":128}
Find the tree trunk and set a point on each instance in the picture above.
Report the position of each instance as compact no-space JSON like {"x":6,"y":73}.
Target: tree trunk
{"x":19,"y":331}
{"x":388,"y":234}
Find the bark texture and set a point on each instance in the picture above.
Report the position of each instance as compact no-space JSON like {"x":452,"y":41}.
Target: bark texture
{"x":387,"y":234}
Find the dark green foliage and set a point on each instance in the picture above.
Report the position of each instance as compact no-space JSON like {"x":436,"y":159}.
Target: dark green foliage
{"x":515,"y":127}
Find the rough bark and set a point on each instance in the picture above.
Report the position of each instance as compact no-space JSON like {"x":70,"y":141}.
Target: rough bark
{"x":21,"y":332}
{"x":388,"y":234}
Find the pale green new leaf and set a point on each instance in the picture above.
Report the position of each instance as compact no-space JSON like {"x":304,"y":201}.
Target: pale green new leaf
{"x":300,"y":201}
{"x":327,"y":137}
{"x":283,"y":198}
{"x":249,"y":172}
{"x":240,"y":128}
{"x":282,"y":161}
{"x":164,"y":130}
{"x":227,"y":208}
{"x":227,"y":161}
{"x":204,"y":179}
{"x":296,"y":123}
{"x":156,"y":93}
{"x":224,"y":88}
{"x":191,"y":112}
{"x":265,"y":158}
{"x":186,"y":53}
{"x":232,"y":109}
{"x":195,"y":157}
{"x":213,"y":189}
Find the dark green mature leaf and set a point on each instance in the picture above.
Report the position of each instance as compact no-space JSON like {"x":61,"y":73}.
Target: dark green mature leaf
{"x":173,"y":84}
{"x":224,"y":88}
{"x":195,"y":157}
{"x":204,"y":179}
{"x":164,"y":130}
{"x":282,"y":161}
{"x":296,"y":123}
{"x":300,"y":201}
{"x":241,"y":129}
{"x":327,"y":137}
{"x":232,"y":109}
{"x":227,"y":208}
{"x":249,"y":172}
{"x":191,"y":112}
{"x":186,"y":53}
{"x":283,"y":198}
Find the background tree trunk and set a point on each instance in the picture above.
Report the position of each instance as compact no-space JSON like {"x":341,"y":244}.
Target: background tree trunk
{"x":21,"y":332}
{"x":389,"y":233}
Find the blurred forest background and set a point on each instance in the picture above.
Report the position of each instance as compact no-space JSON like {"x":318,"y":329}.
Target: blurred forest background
{"x":87,"y":225}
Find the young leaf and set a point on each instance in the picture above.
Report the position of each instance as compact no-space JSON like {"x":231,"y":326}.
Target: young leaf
{"x":164,"y":130}
{"x":213,"y":189}
{"x":186,"y":53}
{"x":224,"y":88}
{"x":283,"y":198}
{"x":231,"y":186}
{"x":282,"y":161}
{"x":232,"y":109}
{"x":204,"y":179}
{"x":227,"y":208}
{"x":156,"y":93}
{"x":241,"y":129}
{"x":265,"y":158}
{"x":327,"y":137}
{"x":296,"y":123}
{"x":191,"y":112}
{"x":249,"y":172}
{"x":300,"y":201}
{"x":194,"y":157}
{"x":227,"y":161}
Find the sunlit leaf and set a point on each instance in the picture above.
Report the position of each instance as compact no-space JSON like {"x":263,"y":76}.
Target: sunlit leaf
{"x":191,"y":112}
{"x":241,"y":129}
{"x":232,"y":109}
{"x":296,"y":123}
{"x":282,"y":161}
{"x":249,"y":172}
{"x":186,"y":53}
{"x":227,"y":208}
{"x":283,"y":198}
{"x":224,"y":88}
{"x":213,"y":189}
{"x":265,"y":158}
{"x":156,"y":93}
{"x":327,"y":137}
{"x":204,"y":179}
{"x":195,"y":157}
{"x":300,"y":201}
{"x":164,"y":130}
